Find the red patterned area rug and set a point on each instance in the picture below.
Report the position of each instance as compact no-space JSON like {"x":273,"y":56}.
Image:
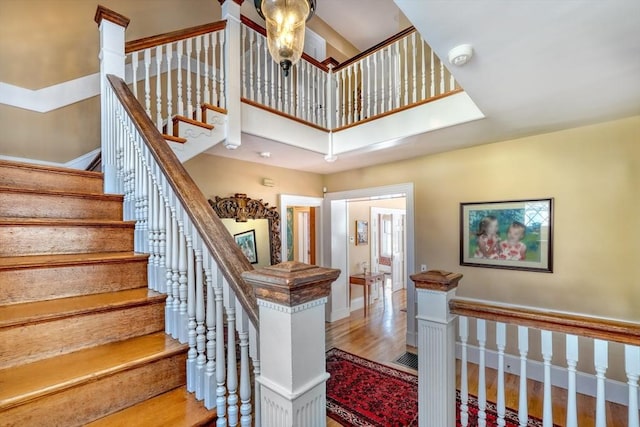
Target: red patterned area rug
{"x":363,"y":393}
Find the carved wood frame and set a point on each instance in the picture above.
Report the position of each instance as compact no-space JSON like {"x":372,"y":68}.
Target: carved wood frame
{"x":243,"y":208}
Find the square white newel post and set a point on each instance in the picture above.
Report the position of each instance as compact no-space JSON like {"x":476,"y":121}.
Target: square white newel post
{"x":291,"y":299}
{"x":232,"y":72}
{"x":436,"y":348}
{"x":112,"y":26}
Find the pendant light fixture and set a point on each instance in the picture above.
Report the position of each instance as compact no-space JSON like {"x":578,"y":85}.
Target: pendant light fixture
{"x":285,"y":21}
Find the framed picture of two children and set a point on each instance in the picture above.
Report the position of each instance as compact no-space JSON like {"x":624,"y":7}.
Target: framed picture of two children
{"x":515,"y":235}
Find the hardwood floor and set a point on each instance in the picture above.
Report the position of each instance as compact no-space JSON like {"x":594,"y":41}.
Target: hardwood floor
{"x":381,"y":337}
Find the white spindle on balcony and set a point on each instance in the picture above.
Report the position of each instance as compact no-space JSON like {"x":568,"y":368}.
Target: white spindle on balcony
{"x":481,"y":331}
{"x":572,"y":361}
{"x":463,"y":327}
{"x":547,"y":354}
{"x":501,"y":344}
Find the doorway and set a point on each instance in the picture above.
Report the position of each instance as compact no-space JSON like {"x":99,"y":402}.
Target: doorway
{"x":388,"y":243}
{"x":301,"y":234}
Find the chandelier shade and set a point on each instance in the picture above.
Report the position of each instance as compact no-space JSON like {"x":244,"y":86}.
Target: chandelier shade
{"x":285,"y":22}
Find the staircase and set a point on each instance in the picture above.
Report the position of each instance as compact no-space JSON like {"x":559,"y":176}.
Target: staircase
{"x":82,"y":337}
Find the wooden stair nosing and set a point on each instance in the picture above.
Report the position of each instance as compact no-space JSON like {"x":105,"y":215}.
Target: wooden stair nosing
{"x":176,"y":139}
{"x":56,"y":309}
{"x":61,"y":260}
{"x":184,"y":119}
{"x":65,"y":222}
{"x":175,"y":408}
{"x":24,"y":383}
{"x":62,"y":193}
{"x":211,"y":107}
{"x":51,"y":169}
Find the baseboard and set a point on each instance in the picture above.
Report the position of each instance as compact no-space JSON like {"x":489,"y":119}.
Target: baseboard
{"x":336,"y":315}
{"x":615,"y":391}
{"x":78,"y":163}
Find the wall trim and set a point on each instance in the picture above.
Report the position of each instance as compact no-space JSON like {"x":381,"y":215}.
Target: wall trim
{"x":615,"y":391}
{"x":78,"y":163}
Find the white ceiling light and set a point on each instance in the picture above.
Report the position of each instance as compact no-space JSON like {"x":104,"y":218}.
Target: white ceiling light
{"x":460,"y":55}
{"x":265,"y":154}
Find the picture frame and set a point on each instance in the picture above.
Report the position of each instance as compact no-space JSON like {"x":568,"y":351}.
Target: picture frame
{"x":247,"y":242}
{"x":362,"y":232}
{"x":512,"y":235}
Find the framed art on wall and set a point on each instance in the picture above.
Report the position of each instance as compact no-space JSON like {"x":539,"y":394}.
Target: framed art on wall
{"x":247,"y":242}
{"x":514,"y":235}
{"x":362,"y":232}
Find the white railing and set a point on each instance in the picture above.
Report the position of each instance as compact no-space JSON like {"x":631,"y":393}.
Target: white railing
{"x":398,"y":73}
{"x":301,"y":95}
{"x":200,"y":303}
{"x":179,"y":73}
{"x":438,"y":311}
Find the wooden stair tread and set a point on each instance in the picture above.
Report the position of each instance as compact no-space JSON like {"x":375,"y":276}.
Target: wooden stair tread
{"x":191,"y":122}
{"x":95,"y":196}
{"x":23,"y":383}
{"x":35,"y":261}
{"x":176,"y":139}
{"x":21,"y":314}
{"x":66,"y":222}
{"x":52,"y":169}
{"x":175,"y":408}
{"x":214,"y":108}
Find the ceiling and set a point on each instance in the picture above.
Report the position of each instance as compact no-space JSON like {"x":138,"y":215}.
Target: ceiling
{"x":538,"y":66}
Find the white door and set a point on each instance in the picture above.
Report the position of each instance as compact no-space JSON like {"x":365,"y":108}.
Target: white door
{"x":398,"y":250}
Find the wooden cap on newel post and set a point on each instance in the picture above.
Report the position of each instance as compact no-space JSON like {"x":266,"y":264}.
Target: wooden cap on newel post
{"x":436,"y":348}
{"x":292,"y":381}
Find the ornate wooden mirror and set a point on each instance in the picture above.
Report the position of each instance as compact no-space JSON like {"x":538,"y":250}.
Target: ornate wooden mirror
{"x":242,"y":209}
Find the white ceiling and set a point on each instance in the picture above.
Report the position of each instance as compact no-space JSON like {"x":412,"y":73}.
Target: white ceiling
{"x":538,"y":66}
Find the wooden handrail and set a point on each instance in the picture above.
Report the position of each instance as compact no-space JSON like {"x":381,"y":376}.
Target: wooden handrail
{"x":160,"y":39}
{"x":394,"y":38}
{"x":567,"y":323}
{"x":215,"y":236}
{"x":259,"y":29}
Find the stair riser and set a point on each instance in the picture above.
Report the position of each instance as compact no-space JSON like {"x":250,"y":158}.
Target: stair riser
{"x":87,"y":402}
{"x":43,"y":179}
{"x":29,"y":205}
{"x":21,"y":239}
{"x":31,"y":342}
{"x":41,"y":284}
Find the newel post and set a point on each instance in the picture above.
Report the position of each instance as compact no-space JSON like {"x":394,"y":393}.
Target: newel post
{"x":291,"y":298}
{"x":112,"y":27}
{"x":436,"y":348}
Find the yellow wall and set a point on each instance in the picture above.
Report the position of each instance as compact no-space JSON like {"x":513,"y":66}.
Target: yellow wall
{"x":593,"y":173}
{"x":220,"y":176}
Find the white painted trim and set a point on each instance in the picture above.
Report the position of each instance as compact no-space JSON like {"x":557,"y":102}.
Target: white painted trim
{"x":52,"y":97}
{"x":616,"y":391}
{"x":366,"y":193}
{"x":78,"y":163}
{"x":339,"y":314}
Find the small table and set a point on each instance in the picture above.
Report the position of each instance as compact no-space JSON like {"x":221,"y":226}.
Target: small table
{"x":365,"y":280}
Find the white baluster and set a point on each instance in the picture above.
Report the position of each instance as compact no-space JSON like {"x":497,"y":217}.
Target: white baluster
{"x":175,"y":277}
{"x":376,"y":57}
{"x":232,"y":368}
{"x":442,"y":80}
{"x":189,"y":51}
{"x":313,"y":87}
{"x":179,"y":48}
{"x":144,"y":208}
{"x":452,"y":82}
{"x":342,"y":96}
{"x":251,"y":53}
{"x":221,"y":372}
{"x":245,"y":53}
{"x":279,"y":92}
{"x":423,"y":68}
{"x":147,"y":81}
{"x":299,"y":90}
{"x":192,"y":354}
{"x":463,"y":325}
{"x":223,"y":88}
{"x":601,"y":361}
{"x":169,"y":84}
{"x":181,"y":325}
{"x":159,"y":88}
{"x":481,"y":334}
{"x":134,"y":73}
{"x":632,"y":368}
{"x":153,"y":236}
{"x":369,"y":97}
{"x":168,"y":307}
{"x":349,"y":95}
{"x":523,"y":348}
{"x":287,"y":101}
{"x":209,"y":382}
{"x":259,"y":39}
{"x":390,"y":87}
{"x":432,"y":89}
{"x":501,"y":343}
{"x":406,"y":69}
{"x":572,"y":362}
{"x":198,"y":110}
{"x":547,"y":354}
{"x":162,"y":242}
{"x":302,"y":89}
{"x":244,"y":386}
{"x":214,"y":70}
{"x":268,"y":65}
{"x":414,"y":59}
{"x":272,"y":86}
{"x":256,"y":394}
{"x":293,"y":93}
{"x":201,"y":338}
{"x":207,"y":90}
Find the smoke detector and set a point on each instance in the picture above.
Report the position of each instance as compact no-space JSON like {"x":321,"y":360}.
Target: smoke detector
{"x":460,"y":55}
